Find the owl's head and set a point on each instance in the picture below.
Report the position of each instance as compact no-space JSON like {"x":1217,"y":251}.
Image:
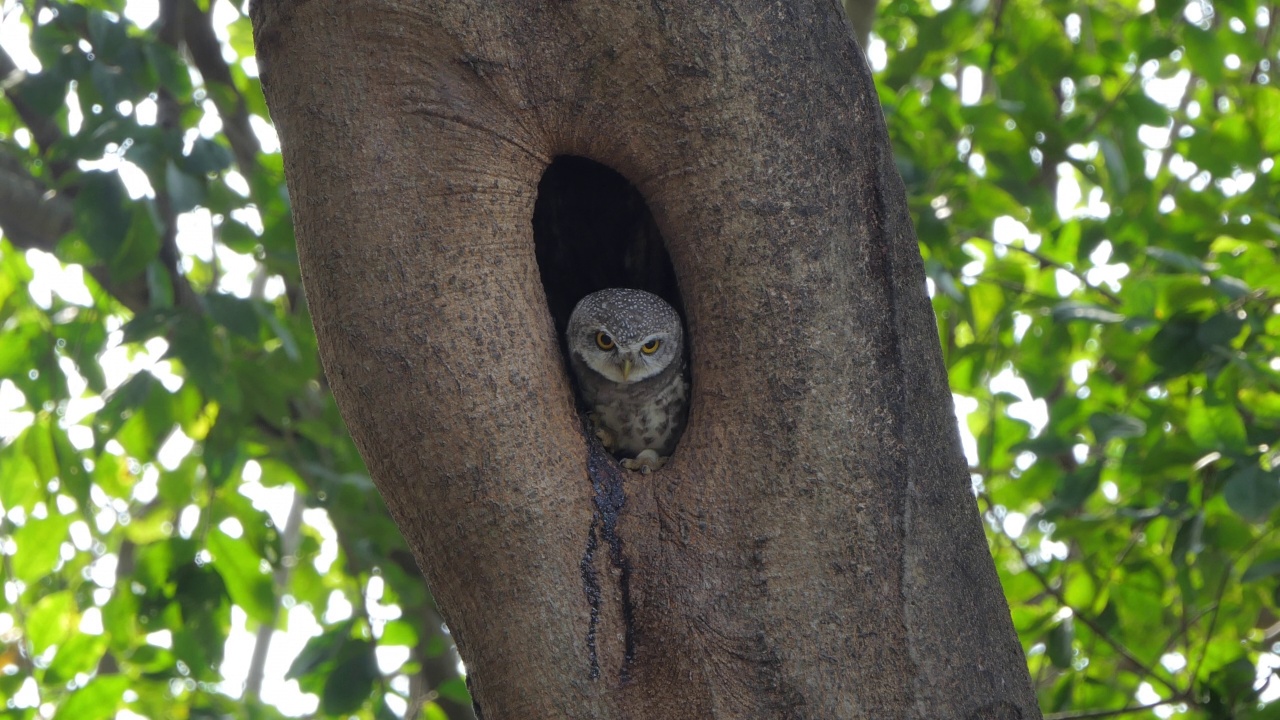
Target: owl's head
{"x":625,"y":335}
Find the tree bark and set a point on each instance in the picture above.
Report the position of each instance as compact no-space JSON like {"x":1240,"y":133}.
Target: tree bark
{"x":813,"y":549}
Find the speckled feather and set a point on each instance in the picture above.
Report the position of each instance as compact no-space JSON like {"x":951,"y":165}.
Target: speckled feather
{"x":649,"y":411}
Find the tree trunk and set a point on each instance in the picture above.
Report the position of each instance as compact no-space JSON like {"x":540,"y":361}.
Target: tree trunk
{"x":813,"y":549}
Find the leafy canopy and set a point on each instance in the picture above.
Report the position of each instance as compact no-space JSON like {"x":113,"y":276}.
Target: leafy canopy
{"x":1092,"y":186}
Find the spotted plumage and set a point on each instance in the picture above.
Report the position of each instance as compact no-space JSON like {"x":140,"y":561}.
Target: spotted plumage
{"x":626,"y":348}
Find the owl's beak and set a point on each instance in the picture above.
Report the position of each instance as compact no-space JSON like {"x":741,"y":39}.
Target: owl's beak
{"x":626,"y":368}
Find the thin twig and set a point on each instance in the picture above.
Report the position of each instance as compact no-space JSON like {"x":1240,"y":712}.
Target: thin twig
{"x":1050,"y":262}
{"x":997,"y":22}
{"x":1111,"y":105}
{"x":1217,"y":607}
{"x":168,"y":117}
{"x":281,"y":575}
{"x":43,"y":128}
{"x":206,"y":54}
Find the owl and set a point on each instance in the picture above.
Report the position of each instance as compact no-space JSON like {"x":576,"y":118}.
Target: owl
{"x":626,"y":348}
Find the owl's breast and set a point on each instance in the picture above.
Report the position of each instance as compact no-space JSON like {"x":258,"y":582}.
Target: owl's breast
{"x":644,"y":415}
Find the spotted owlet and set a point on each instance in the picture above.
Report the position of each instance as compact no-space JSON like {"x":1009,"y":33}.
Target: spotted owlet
{"x":627,"y":351}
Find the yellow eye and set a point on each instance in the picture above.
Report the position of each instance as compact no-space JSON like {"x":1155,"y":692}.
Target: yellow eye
{"x":651,"y":347}
{"x":604,"y":341}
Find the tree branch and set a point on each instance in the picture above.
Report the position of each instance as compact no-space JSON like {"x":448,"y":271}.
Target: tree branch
{"x":290,"y":536}
{"x":31,"y":215}
{"x":206,"y":55}
{"x":168,"y":117}
{"x":45,"y":131}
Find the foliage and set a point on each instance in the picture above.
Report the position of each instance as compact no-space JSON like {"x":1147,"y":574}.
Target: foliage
{"x":173,"y":470}
{"x":1122,"y":351}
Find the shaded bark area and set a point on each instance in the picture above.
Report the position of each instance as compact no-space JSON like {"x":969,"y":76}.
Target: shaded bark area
{"x":813,"y":549}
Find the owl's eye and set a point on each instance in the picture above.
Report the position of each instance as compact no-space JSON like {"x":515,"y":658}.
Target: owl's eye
{"x":651,"y":347}
{"x":604,"y":340}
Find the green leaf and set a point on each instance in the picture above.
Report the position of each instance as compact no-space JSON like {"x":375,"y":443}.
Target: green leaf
{"x":432,"y":711}
{"x":51,"y":620}
{"x":1071,"y":310}
{"x":237,"y":236}
{"x":351,"y":682}
{"x":39,"y":545}
{"x":1215,"y":426}
{"x":320,"y":651}
{"x":107,"y":36}
{"x":1189,"y":540}
{"x":398,"y":632}
{"x":121,"y":405}
{"x":1265,"y":105}
{"x":149,"y":324}
{"x":1058,"y":644}
{"x":44,"y":92}
{"x":287,"y":340}
{"x":169,"y":68}
{"x":20,"y":485}
{"x":1220,"y":329}
{"x":111,"y":85}
{"x":139,"y":247}
{"x":222,"y":452}
{"x":240,"y":568}
{"x":101,"y":698}
{"x":1233,"y":288}
{"x":191,"y":342}
{"x":37,"y":441}
{"x":19,"y":348}
{"x":1156,"y":47}
{"x":1076,"y":487}
{"x":101,"y":215}
{"x":1261,"y":569}
{"x":986,"y":303}
{"x":1107,"y":426}
{"x":186,"y":192}
{"x":1167,"y":10}
{"x":81,"y":653}
{"x":207,"y":156}
{"x":455,"y":689}
{"x":1175,"y":347}
{"x":1115,"y":161}
{"x":1204,"y":53}
{"x":160,"y":286}
{"x":1177,"y":260}
{"x":238,"y":316}
{"x":1252,"y":492}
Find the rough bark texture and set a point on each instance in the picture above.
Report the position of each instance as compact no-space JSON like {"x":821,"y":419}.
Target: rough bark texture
{"x":813,"y":549}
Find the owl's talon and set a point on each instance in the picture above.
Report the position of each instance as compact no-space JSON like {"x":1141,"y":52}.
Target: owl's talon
{"x":646,"y":462}
{"x":606,"y":438}
{"x":602,"y":433}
